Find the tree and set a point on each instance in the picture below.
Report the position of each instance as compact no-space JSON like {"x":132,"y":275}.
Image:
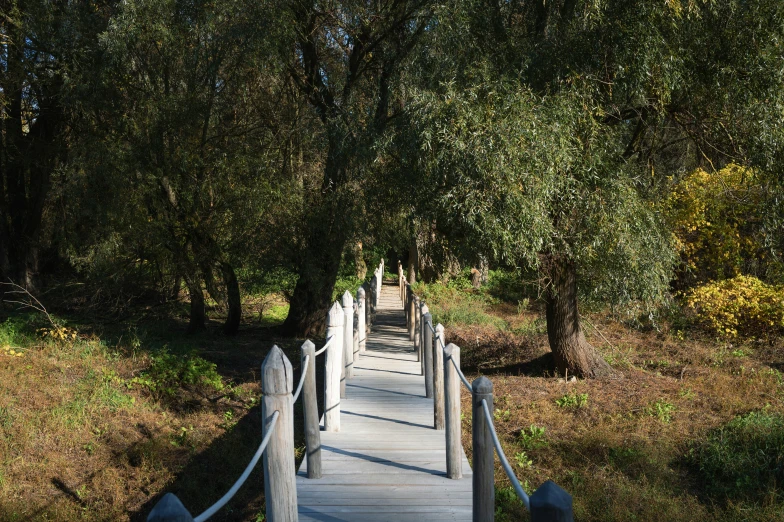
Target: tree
{"x":346,"y":61}
{"x":44,"y":45}
{"x":197,"y":129}
{"x":560,"y":124}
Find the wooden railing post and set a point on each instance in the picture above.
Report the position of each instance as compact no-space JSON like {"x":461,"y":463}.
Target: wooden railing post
{"x":400,"y":281}
{"x":418,"y":331}
{"x":550,"y":503}
{"x":373,"y":297}
{"x":362,"y":316}
{"x":332,"y":369}
{"x":482,"y":441}
{"x":355,"y":332}
{"x":438,"y":378}
{"x":280,"y":487}
{"x":379,"y":282}
{"x":310,"y":410}
{"x":411,"y":305}
{"x":366,"y":291}
{"x":169,"y":509}
{"x":348,"y":334}
{"x":454,"y":453}
{"x":427,"y":349}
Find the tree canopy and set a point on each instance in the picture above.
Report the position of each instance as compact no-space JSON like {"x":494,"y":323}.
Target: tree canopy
{"x":170,"y":142}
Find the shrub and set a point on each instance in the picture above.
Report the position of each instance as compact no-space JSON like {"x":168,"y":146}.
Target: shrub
{"x":453,"y":306}
{"x":743,"y":305}
{"x":743,"y":459}
{"x":168,"y":373}
{"x":717,"y":222}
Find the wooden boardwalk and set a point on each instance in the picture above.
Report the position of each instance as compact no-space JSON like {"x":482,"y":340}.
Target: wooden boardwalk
{"x":387,"y":463}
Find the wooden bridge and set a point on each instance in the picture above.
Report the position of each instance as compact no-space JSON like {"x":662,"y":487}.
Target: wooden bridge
{"x":388,"y":446}
{"x":386,"y":463}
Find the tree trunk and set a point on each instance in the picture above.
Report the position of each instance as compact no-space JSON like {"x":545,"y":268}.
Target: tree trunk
{"x":571,"y":350}
{"x":232,"y":324}
{"x":198,"y":318}
{"x":29,"y":157}
{"x":413,"y":258}
{"x":328,"y":231}
{"x":359,"y":261}
{"x":312,"y":296}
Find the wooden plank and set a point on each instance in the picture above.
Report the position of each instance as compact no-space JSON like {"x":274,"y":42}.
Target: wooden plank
{"x":387,"y":462}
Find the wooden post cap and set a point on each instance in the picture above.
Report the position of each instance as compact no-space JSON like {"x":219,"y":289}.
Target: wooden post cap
{"x":348,"y":301}
{"x":360,"y":294}
{"x":482,"y":385}
{"x":169,"y":509}
{"x":551,"y":502}
{"x":335,"y":316}
{"x":276,"y":373}
{"x":307,"y":346}
{"x":425,"y":309}
{"x":440,"y":329}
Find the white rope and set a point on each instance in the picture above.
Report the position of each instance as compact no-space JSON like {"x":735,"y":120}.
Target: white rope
{"x":245,"y":474}
{"x":326,"y":345}
{"x":502,"y":457}
{"x":301,"y":378}
{"x":462,"y":377}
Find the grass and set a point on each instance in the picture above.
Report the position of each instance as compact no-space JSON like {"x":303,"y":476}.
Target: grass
{"x":97,"y":424}
{"x":692,"y":430}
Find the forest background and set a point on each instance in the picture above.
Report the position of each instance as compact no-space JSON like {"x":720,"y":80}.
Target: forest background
{"x":184,"y":182}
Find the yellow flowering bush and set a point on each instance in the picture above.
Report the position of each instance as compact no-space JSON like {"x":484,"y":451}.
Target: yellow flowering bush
{"x":717,"y":224}
{"x":741,"y":306}
{"x":58,"y":333}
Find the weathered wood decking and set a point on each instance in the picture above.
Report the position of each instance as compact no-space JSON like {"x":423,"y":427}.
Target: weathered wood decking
{"x":387,"y":463}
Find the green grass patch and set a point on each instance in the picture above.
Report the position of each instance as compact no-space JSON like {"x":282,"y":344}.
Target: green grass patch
{"x":744,"y":459}
{"x":275,"y":314}
{"x":451,"y":306}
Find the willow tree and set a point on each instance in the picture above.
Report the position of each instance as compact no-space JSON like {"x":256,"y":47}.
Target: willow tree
{"x":45,"y":46}
{"x":197,"y":109}
{"x":553,"y":131}
{"x":346,"y":63}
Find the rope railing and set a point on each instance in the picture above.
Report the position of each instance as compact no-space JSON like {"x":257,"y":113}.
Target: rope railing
{"x":301,"y":377}
{"x":548,"y":503}
{"x":326,"y":345}
{"x":522,"y":495}
{"x":347,"y":328}
{"x":460,"y":374}
{"x":245,"y":474}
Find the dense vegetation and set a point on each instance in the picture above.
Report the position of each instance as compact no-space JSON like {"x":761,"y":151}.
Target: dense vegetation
{"x":183,"y":182}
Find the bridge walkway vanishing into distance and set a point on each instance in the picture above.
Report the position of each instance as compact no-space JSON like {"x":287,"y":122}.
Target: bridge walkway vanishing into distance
{"x":387,"y":462}
{"x":388,"y":446}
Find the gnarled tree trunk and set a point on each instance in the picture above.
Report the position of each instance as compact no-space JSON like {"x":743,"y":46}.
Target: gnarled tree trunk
{"x":233,"y":299}
{"x":571,"y":350}
{"x":198,"y":319}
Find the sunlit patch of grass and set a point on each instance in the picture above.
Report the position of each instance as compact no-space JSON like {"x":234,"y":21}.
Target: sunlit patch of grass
{"x":275,"y":314}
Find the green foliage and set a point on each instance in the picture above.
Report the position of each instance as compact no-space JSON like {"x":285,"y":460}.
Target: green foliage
{"x":454,"y":303}
{"x":350,"y":283}
{"x":744,"y":459}
{"x":12,"y":332}
{"x":509,"y":286}
{"x":275,"y":315}
{"x":662,"y":410}
{"x":741,"y":306}
{"x":523,"y":460}
{"x":276,"y":280}
{"x":508,"y":506}
{"x":572,"y":400}
{"x":718,"y":221}
{"x":169,"y":373}
{"x":533,"y":438}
